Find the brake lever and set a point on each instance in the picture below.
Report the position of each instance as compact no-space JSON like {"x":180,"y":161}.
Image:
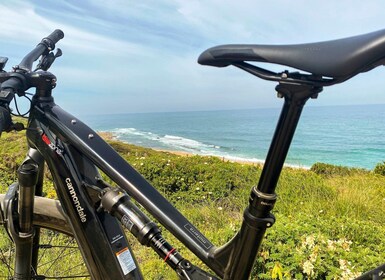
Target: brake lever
{"x":3,"y":61}
{"x":47,"y":60}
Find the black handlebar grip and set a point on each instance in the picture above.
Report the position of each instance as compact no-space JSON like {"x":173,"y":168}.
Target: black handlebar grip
{"x":55,"y":36}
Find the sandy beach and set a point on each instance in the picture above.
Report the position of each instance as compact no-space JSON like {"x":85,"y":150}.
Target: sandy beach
{"x":109,"y":136}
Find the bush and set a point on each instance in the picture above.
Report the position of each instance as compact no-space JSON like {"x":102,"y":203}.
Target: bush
{"x":335,"y":170}
{"x":315,"y":248}
{"x":380,"y":169}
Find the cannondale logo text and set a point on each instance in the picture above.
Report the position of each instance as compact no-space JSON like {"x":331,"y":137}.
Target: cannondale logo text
{"x":76,"y":201}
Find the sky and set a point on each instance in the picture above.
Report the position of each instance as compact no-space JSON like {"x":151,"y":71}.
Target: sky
{"x":123,"y":56}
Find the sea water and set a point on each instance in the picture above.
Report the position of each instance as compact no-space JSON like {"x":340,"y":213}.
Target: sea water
{"x":343,"y":135}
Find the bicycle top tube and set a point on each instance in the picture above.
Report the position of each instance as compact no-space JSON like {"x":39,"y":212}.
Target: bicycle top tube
{"x":340,"y":59}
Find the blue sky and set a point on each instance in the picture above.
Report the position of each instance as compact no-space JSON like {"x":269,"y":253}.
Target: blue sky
{"x":140,"y":56}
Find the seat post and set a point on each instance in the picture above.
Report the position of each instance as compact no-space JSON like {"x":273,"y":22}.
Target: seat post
{"x":257,"y":216}
{"x":295,"y":96}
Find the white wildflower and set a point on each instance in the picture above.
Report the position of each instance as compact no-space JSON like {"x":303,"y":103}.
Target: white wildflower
{"x":309,"y":241}
{"x":347,"y":273}
{"x":308,"y":268}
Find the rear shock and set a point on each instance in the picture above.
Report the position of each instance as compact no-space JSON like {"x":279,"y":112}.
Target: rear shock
{"x":119,"y":205}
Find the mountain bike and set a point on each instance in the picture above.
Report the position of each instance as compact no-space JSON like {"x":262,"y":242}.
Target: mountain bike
{"x":90,"y":214}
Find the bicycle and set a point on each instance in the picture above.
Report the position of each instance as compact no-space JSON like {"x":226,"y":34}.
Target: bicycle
{"x":94,"y":212}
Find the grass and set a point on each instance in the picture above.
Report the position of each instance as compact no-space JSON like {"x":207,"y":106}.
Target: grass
{"x":330,"y":220}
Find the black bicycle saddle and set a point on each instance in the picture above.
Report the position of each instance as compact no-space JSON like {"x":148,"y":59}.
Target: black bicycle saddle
{"x":336,"y":59}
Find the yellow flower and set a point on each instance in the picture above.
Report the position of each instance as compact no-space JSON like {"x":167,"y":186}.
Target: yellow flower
{"x":277,"y":271}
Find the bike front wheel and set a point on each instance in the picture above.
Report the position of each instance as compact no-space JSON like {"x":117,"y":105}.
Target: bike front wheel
{"x":59,"y":256}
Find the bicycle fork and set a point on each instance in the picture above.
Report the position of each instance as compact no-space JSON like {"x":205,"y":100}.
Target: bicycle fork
{"x":19,"y":214}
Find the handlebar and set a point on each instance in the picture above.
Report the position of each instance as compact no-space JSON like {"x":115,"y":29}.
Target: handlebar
{"x":46,"y":45}
{"x":21,"y":79}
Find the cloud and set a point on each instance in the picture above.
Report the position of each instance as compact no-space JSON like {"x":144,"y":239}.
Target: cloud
{"x":21,"y":23}
{"x":143,"y":52}
{"x":282,"y":21}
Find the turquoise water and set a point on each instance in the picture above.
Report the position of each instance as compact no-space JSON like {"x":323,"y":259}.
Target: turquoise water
{"x":344,"y":135}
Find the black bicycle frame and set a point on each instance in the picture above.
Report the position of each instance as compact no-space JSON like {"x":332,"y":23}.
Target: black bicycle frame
{"x":74,"y":152}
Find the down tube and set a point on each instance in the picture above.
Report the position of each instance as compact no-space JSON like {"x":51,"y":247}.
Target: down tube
{"x":70,"y":170}
{"x":111,"y":163}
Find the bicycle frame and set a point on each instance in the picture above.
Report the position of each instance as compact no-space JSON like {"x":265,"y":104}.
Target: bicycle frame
{"x":74,"y":152}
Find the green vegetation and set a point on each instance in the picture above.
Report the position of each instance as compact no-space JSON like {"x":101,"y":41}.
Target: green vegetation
{"x":380,"y":168}
{"x":330,"y":219}
{"x":333,"y":170}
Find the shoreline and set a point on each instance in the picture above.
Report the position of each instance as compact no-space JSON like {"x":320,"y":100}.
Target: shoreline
{"x":223,"y":158}
{"x":110,"y":136}
{"x":228,"y":159}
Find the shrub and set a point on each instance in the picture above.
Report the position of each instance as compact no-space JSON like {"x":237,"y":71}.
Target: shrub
{"x":380,"y":169}
{"x":314,"y":248}
{"x":335,"y":170}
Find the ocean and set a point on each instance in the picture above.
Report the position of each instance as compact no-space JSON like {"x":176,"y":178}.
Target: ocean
{"x":352,"y":136}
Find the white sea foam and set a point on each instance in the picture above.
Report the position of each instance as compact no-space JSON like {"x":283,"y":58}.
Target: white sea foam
{"x":178,"y":143}
{"x":122,"y":133}
{"x":171,"y":142}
